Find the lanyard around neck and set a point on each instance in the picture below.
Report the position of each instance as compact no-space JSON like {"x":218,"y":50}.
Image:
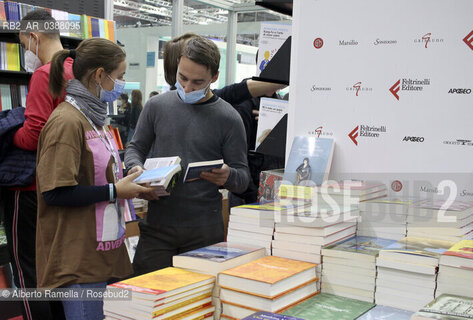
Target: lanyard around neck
{"x":106,"y":141}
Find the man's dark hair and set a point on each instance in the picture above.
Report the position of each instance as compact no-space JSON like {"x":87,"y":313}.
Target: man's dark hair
{"x":204,"y":52}
{"x":42,"y":15}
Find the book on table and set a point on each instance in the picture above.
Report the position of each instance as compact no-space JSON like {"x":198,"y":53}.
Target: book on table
{"x":217,"y":257}
{"x":446,"y":307}
{"x":194,"y":169}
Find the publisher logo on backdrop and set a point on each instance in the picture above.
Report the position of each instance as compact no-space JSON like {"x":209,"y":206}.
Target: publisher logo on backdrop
{"x":320,"y":132}
{"x":469,"y":40}
{"x":459,"y":91}
{"x":459,"y":142}
{"x":378,"y":42}
{"x":362,"y":131}
{"x":466,"y":193}
{"x":347,"y":43}
{"x":318,"y":43}
{"x":428,"y":39}
{"x":358,"y":88}
{"x":413,"y":139}
{"x":396,"y":185}
{"x":315,"y":88}
{"x":415,"y":85}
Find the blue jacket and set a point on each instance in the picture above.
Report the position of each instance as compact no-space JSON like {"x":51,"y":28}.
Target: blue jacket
{"x":17,"y":166}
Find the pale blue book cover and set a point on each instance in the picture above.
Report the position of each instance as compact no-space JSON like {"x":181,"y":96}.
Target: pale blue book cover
{"x":220,"y":252}
{"x":156,"y":174}
{"x":264,"y":315}
{"x":363,"y":245}
{"x":309,"y":161}
{"x":386,"y":313}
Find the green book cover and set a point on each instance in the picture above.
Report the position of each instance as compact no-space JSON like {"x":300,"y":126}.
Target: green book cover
{"x":328,"y":307}
{"x":447,"y":307}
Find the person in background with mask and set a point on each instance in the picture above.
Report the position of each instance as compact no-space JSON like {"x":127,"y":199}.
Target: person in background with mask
{"x":196,"y":125}
{"x":81,"y":228}
{"x":21,"y":202}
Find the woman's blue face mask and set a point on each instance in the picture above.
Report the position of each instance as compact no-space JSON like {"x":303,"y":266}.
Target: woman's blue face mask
{"x":193,"y":96}
{"x":110,"y":96}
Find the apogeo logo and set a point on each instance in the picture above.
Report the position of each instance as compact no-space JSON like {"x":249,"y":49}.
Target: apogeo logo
{"x":319,"y":132}
{"x":359,"y":87}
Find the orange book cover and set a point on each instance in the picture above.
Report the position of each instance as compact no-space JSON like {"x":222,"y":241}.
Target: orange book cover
{"x":162,"y":281}
{"x":269,"y":269}
{"x":275,"y":297}
{"x":89,"y":25}
{"x":462,"y":249}
{"x":180,"y":315}
{"x":182,"y":304}
{"x":111,"y":30}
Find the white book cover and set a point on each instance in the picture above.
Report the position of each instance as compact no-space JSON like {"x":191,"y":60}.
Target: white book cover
{"x":272,"y":37}
{"x":271,"y":112}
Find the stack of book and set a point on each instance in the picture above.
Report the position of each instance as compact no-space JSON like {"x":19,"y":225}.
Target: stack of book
{"x":346,"y":193}
{"x":446,"y":307}
{"x":442,"y":220}
{"x":270,"y":284}
{"x":455,"y":274}
{"x":305,"y":243}
{"x":385,"y":217}
{"x":407,"y":272}
{"x":329,"y":307}
{"x":349,"y":268}
{"x":216,"y":258}
{"x":254,"y":223}
{"x":169,"y":293}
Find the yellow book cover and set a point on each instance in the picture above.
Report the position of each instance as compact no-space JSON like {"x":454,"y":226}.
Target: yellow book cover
{"x":182,"y":314}
{"x":162,"y":281}
{"x":274,"y":206}
{"x":462,"y":249}
{"x":13,"y":56}
{"x":296,"y":192}
{"x":111,"y":30}
{"x":269,"y":269}
{"x":106,"y":31}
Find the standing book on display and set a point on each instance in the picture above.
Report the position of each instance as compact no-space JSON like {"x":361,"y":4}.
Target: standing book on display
{"x":271,"y":112}
{"x":309,"y":161}
{"x":272,"y":37}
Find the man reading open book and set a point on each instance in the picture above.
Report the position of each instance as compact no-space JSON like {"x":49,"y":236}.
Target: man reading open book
{"x":196,"y":125}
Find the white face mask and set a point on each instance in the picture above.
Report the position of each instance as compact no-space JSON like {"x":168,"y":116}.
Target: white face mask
{"x":32,"y":61}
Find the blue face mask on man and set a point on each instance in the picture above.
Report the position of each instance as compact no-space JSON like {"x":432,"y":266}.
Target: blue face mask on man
{"x":110,"y":96}
{"x":193,"y":96}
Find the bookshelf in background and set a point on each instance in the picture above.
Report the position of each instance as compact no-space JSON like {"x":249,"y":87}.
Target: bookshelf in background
{"x":13,"y":77}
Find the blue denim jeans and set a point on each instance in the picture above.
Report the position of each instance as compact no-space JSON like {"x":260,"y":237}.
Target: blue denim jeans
{"x":84,"y":310}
